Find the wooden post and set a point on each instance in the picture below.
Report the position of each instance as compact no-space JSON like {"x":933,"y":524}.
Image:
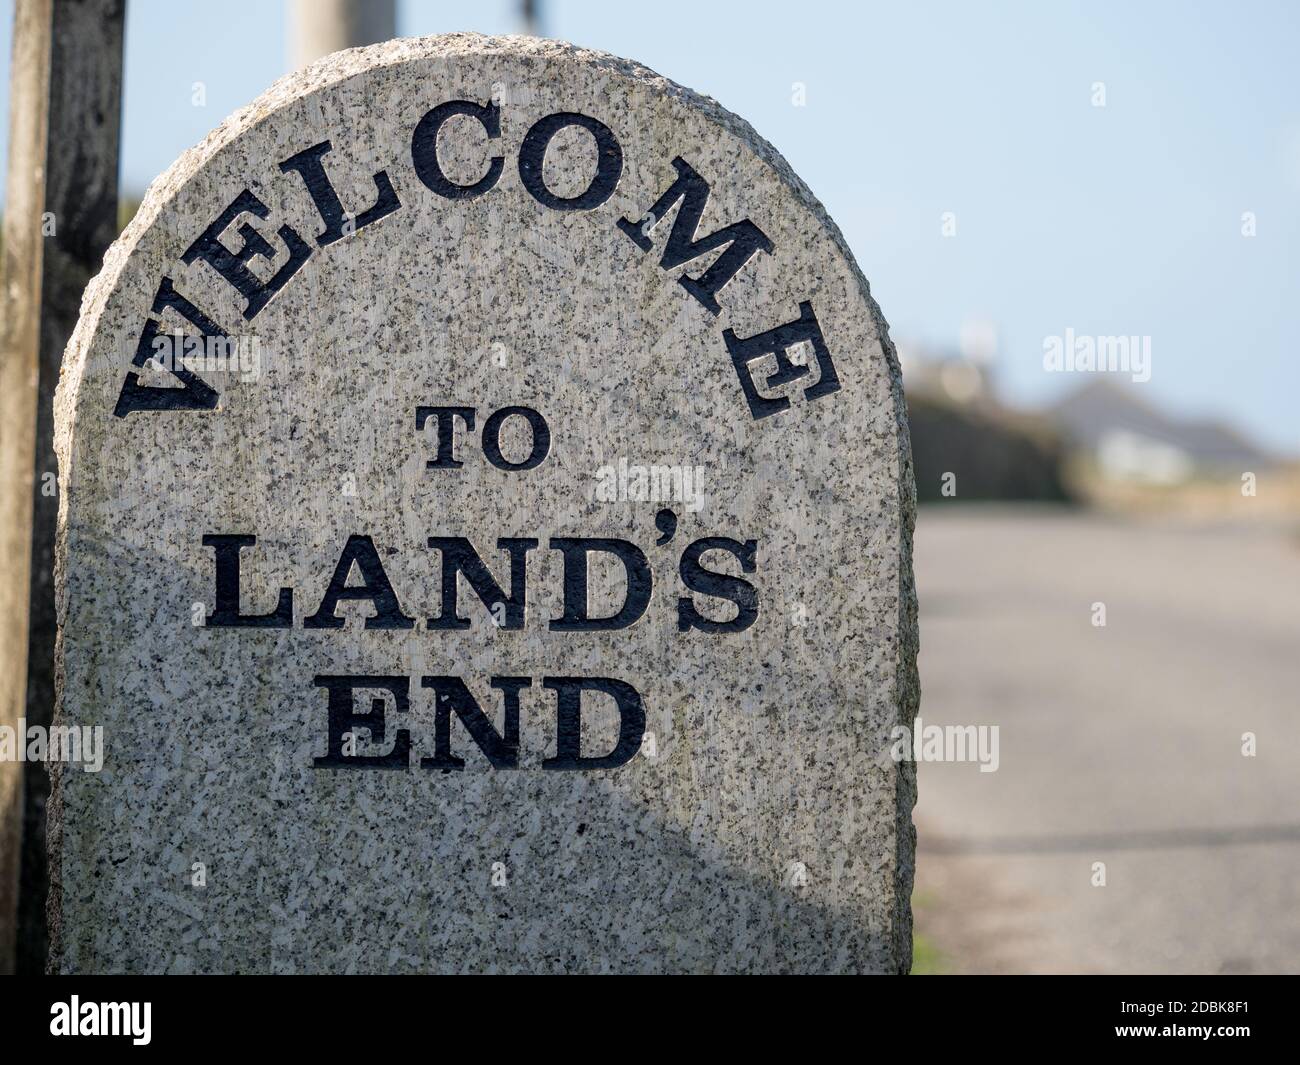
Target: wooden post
{"x":60,"y":216}
{"x":320,"y":27}
{"x":530,"y":17}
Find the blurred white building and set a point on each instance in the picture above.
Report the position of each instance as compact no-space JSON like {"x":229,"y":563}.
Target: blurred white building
{"x":1129,"y":440}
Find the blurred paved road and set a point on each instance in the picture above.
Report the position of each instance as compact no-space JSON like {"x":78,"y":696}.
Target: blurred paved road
{"x":1119,"y":744}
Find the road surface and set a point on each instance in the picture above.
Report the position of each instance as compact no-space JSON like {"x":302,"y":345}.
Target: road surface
{"x":1119,"y":744}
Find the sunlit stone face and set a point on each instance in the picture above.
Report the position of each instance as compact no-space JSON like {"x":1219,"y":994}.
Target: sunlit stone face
{"x":510,"y":569}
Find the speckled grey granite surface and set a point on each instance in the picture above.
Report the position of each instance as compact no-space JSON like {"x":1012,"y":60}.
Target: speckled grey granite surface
{"x":761,"y":827}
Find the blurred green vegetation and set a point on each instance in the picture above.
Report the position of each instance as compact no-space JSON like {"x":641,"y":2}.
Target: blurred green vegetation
{"x":992,"y":454}
{"x":926,"y":957}
{"x":126,"y":209}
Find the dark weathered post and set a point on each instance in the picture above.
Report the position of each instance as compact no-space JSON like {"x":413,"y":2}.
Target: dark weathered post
{"x":60,"y":216}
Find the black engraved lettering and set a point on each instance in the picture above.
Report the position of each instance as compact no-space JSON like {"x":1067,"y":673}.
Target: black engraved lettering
{"x":424,"y":149}
{"x":777,"y":342}
{"x":492,"y":438}
{"x":459,"y":556}
{"x":307,"y":163}
{"x":568,"y":722}
{"x":609,"y":162}
{"x":639,"y":582}
{"x":194,"y":393}
{"x":376,"y":587}
{"x":233,"y":264}
{"x":718,"y":585}
{"x":741,"y":240}
{"x":451,"y":694}
{"x":225,"y":613}
{"x":344,"y":719}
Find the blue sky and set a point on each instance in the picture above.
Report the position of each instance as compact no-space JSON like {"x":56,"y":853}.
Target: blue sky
{"x":1117,"y":220}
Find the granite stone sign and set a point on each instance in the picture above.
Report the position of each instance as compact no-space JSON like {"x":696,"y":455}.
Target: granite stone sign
{"x":485,"y":531}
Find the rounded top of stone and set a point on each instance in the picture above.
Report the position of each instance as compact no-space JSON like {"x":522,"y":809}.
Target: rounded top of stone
{"x":332,"y":70}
